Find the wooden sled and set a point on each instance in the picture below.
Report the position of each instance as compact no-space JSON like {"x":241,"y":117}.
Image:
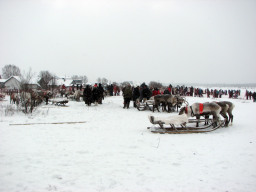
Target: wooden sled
{"x":147,"y":105}
{"x":60,"y":103}
{"x":160,"y":127}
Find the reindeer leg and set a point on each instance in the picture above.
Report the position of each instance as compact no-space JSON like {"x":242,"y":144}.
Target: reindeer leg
{"x":230,"y":118}
{"x":198,"y":118}
{"x":226,"y":119}
{"x":206,"y":120}
{"x":215,"y":119}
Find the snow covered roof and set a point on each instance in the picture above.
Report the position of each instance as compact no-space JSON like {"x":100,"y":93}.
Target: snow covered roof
{"x":77,"y":81}
{"x":61,"y":81}
{"x":16,"y":77}
{"x":3,"y":80}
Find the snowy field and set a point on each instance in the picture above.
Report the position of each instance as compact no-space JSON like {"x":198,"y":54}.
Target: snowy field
{"x":114,"y":151}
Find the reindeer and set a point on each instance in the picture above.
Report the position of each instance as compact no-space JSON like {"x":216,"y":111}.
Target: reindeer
{"x":25,"y":98}
{"x":202,"y":109}
{"x":226,"y":108}
{"x":45,"y":95}
{"x":180,"y":101}
{"x":14,"y":98}
{"x":166,"y":100}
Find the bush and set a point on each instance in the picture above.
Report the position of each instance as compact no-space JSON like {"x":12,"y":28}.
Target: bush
{"x":9,"y":110}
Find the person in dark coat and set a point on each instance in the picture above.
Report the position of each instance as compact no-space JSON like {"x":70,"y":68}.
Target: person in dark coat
{"x":127,"y":95}
{"x":110,"y":89}
{"x":95,"y":94}
{"x":101,"y":93}
{"x":135,"y":95}
{"x":254,"y":96}
{"x":146,"y":93}
{"x":166,"y":91}
{"x":87,"y":95}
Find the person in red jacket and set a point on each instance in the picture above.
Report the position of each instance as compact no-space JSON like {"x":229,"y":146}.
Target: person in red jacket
{"x":155,"y":92}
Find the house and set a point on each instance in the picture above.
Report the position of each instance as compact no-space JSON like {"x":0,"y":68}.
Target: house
{"x":77,"y":82}
{"x":2,"y":82}
{"x":14,"y":83}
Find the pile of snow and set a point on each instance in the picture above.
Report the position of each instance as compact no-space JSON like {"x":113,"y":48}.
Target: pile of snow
{"x":111,"y":149}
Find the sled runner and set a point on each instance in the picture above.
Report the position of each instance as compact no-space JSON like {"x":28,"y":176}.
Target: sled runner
{"x":60,"y":102}
{"x":63,"y":103}
{"x":161,"y":127}
{"x":147,"y":105}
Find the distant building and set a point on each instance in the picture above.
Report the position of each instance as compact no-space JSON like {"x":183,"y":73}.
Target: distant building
{"x":57,"y":82}
{"x":2,"y":82}
{"x":77,"y":82}
{"x":67,"y":82}
{"x":14,"y":83}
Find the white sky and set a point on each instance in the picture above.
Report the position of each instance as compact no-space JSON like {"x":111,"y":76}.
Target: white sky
{"x":171,"y":41}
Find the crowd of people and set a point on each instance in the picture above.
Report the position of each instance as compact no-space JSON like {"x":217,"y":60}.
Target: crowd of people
{"x":95,"y":93}
{"x":144,"y":92}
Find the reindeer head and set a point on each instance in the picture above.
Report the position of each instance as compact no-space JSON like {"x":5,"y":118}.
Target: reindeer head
{"x":184,"y":110}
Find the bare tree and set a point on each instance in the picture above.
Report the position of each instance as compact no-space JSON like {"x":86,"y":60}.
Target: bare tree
{"x":10,"y":70}
{"x":99,"y":80}
{"x":104,"y":81}
{"x":82,"y":77}
{"x":155,"y":84}
{"x":44,"y":78}
{"x":75,"y":77}
{"x":26,"y":78}
{"x":125,"y":83}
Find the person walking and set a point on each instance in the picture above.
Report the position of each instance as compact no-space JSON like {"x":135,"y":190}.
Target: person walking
{"x":127,"y":95}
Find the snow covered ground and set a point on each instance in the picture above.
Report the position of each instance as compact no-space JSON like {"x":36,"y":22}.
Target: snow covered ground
{"x":114,"y":151}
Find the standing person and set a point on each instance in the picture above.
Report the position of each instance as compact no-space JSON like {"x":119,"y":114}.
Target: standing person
{"x":155,"y":92}
{"x":95,"y":95}
{"x":135,"y":95}
{"x":110,"y":90}
{"x":170,"y":89}
{"x":115,"y":90}
{"x":87,"y":94}
{"x":191,"y":91}
{"x":63,"y":90}
{"x":250,"y":95}
{"x":146,"y":93}
{"x":254,"y":96}
{"x":127,"y":95}
{"x":101,"y":93}
{"x":208,"y":93}
{"x":247,"y":94}
{"x":166,"y":91}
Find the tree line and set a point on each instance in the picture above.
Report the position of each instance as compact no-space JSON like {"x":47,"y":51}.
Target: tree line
{"x":44,"y":77}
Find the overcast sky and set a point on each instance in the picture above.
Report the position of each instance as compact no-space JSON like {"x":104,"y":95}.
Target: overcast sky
{"x":170,"y":41}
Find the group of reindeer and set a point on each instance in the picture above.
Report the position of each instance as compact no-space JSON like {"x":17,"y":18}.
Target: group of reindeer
{"x":223,"y":108}
{"x":216,"y":109}
{"x":168,"y":102}
{"x":30,"y":99}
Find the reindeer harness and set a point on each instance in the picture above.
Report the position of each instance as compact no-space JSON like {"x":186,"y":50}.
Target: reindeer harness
{"x":201,"y":108}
